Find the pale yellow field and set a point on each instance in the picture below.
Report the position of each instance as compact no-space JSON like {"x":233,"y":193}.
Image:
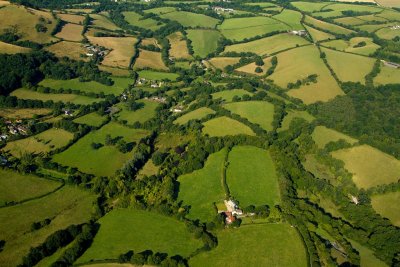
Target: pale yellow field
{"x":115,"y":71}
{"x":149,"y":59}
{"x":80,"y":10}
{"x":317,"y":35}
{"x":323,"y":136}
{"x":179,"y":48}
{"x":68,"y":49}
{"x":250,"y":68}
{"x":22,"y":113}
{"x":389,"y":3}
{"x":6,"y":48}
{"x":122,"y":50}
{"x":150,"y":41}
{"x":387,"y":75}
{"x":4,"y":3}
{"x":71,"y":32}
{"x":387,"y":206}
{"x":78,"y":19}
{"x":222,"y":62}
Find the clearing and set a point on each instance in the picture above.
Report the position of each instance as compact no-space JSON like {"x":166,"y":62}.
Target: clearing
{"x":387,"y":206}
{"x":147,"y":112}
{"x":178,"y":48}
{"x":228,"y":95}
{"x":323,"y":136}
{"x":387,"y":75}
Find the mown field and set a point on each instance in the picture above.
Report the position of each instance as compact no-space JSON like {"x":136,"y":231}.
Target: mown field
{"x":141,"y":115}
{"x":105,"y":160}
{"x":387,"y":75}
{"x":71,"y":32}
{"x":6,"y":48}
{"x":202,"y":188}
{"x":91,"y":119}
{"x":194,"y":115}
{"x":258,"y":112}
{"x":72,"y":50}
{"x":75,"y":99}
{"x":251,"y":177}
{"x":101,"y":21}
{"x":149,"y":59}
{"x":256,"y":245}
{"x":329,"y":27}
{"x":122,"y":230}
{"x":387,"y":206}
{"x":229,"y":94}
{"x":72,"y":18}
{"x":317,"y":35}
{"x":223,"y":126}
{"x":204,"y":42}
{"x":155,"y":75}
{"x":178,"y":45}
{"x":189,"y":19}
{"x":369,"y":166}
{"x":291,"y":18}
{"x":23,"y":113}
{"x":322,"y":136}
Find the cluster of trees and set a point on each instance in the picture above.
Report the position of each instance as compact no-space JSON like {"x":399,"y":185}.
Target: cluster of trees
{"x":148,"y":257}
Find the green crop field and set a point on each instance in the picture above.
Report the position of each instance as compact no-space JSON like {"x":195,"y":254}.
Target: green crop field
{"x":75,"y":99}
{"x":189,"y":19}
{"x":344,"y":64}
{"x":349,"y":46}
{"x":335,"y":10}
{"x":295,"y":114}
{"x":387,"y":206}
{"x":229,"y":94}
{"x":308,"y":62}
{"x":91,"y":119}
{"x":137,"y":20}
{"x":317,"y":35}
{"x":319,"y":24}
{"x":43,"y":142}
{"x":270,"y":245}
{"x":291,"y":18}
{"x":105,"y":160}
{"x":15,"y":187}
{"x":204,"y":42}
{"x":122,"y":230}
{"x":155,"y":75}
{"x":367,"y":257}
{"x":323,"y":136}
{"x":101,"y":21}
{"x":202,"y":188}
{"x":374,"y":27}
{"x":251,"y":177}
{"x":268,"y":45}
{"x":64,"y":207}
{"x":258,"y":112}
{"x":387,"y":75}
{"x":194,"y":115}
{"x":223,"y":126}
{"x":141,"y":115}
{"x":370,"y":167}
{"x":120,"y":84}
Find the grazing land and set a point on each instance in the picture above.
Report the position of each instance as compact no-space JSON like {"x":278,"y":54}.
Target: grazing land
{"x":127,"y":229}
{"x":223,"y":126}
{"x":202,"y":188}
{"x":91,"y":119}
{"x":382,"y":204}
{"x":325,"y":26}
{"x":387,"y":75}
{"x":194,"y":115}
{"x":367,"y":257}
{"x":251,"y":68}
{"x":150,"y":59}
{"x":387,"y":33}
{"x":6,"y":48}
{"x":317,"y":35}
{"x":222,"y":62}
{"x":137,"y":20}
{"x":71,"y":32}
{"x":189,"y":19}
{"x":291,"y":18}
{"x":369,"y":166}
{"x":204,"y":42}
{"x":229,"y":94}
{"x":251,"y":177}
{"x":147,"y":112}
{"x":295,"y":114}
{"x":148,"y":169}
{"x":75,"y":99}
{"x":155,"y":75}
{"x":72,"y":50}
{"x":178,"y":48}
{"x":72,"y":18}
{"x":323,"y":136}
{"x":274,"y":245}
{"x":351,"y":45}
{"x":160,"y":10}
{"x":23,"y":113}
{"x":100,"y":21}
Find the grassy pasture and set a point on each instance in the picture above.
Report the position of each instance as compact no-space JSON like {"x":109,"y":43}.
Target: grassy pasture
{"x":71,"y":18}
{"x":67,"y":206}
{"x":189,"y":19}
{"x":194,"y":115}
{"x":149,"y":59}
{"x":291,"y":18}
{"x":101,"y":21}
{"x":201,"y":188}
{"x":137,"y":20}
{"x":43,"y":142}
{"x":223,"y":126}
{"x":367,"y":257}
{"x":337,"y":9}
{"x":326,"y":26}
{"x":388,"y":33}
{"x":251,"y":68}
{"x":178,"y":44}
{"x":317,"y":35}
{"x":268,"y":45}
{"x":6,"y":48}
{"x":16,"y":187}
{"x":228,"y":95}
{"x":124,"y":229}
{"x":344,"y":64}
{"x":71,"y":32}
{"x":388,"y":3}
{"x":323,"y":136}
{"x":168,"y":140}
{"x":387,"y":206}
{"x":222,"y":62}
{"x":273,"y":245}
{"x":371,"y":18}
{"x":155,"y":75}
{"x":387,"y":75}
{"x":105,"y":160}
{"x":295,"y":114}
{"x":23,"y":113}
{"x":351,"y":21}
{"x":251,"y":177}
{"x":150,"y":41}
{"x":160,"y":10}
{"x":76,"y":99}
{"x":118,"y":72}
{"x":297,"y":64}
{"x":309,"y":6}
{"x":389,"y":14}
{"x":374,"y":27}
{"x":91,"y":119}
{"x":349,"y":46}
{"x":142,"y":115}
{"x":68,"y":49}
{"x":204,"y":42}
{"x":148,"y":169}
{"x":258,"y":112}
{"x":370,"y":166}
{"x":122,"y":50}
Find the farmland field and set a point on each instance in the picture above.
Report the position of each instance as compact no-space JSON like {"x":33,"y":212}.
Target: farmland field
{"x":68,"y":49}
{"x":381,"y":204}
{"x":291,"y":18}
{"x":179,"y":48}
{"x":317,"y":35}
{"x":370,"y":167}
{"x":204,"y":42}
{"x":223,"y":126}
{"x":274,"y":245}
{"x":295,"y":114}
{"x":258,"y":112}
{"x":189,"y":19}
{"x":387,"y":75}
{"x":389,"y":3}
{"x":22,"y":113}
{"x":71,"y":32}
{"x":127,"y":229}
{"x":251,"y":68}
{"x":105,"y":160}
{"x":160,"y":10}
{"x":350,"y":46}
{"x":155,"y":75}
{"x":201,"y":188}
{"x":323,"y":136}
{"x":387,"y":33}
{"x":91,"y":119}
{"x":229,"y":94}
{"x":141,"y":115}
{"x":6,"y":48}
{"x":194,"y":115}
{"x":101,"y":21}
{"x":148,"y":169}
{"x":149,"y":59}
{"x":77,"y":19}
{"x":135,"y":19}
{"x":222,"y":62}
{"x":251,"y":177}
{"x":319,"y":24}
{"x":118,"y":72}
{"x":309,"y":6}
{"x":367,"y":257}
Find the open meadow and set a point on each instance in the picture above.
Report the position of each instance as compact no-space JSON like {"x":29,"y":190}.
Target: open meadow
{"x":204,"y":42}
{"x":251,"y":68}
{"x":386,"y":206}
{"x":229,"y":94}
{"x":71,"y":32}
{"x":91,"y":119}
{"x":149,"y":59}
{"x":72,"y":50}
{"x":387,"y":75}
{"x":322,"y":136}
{"x":351,"y":46}
{"x":318,"y":35}
{"x":291,"y":18}
{"x":147,"y":112}
{"x":194,"y":115}
{"x":222,"y":62}
{"x":6,"y":48}
{"x":72,"y":18}
{"x":23,"y":113}
{"x":223,"y":126}
{"x":367,"y":257}
{"x":137,"y":20}
{"x":160,"y":10}
{"x":157,"y":75}
{"x":23,"y":93}
{"x":178,"y":45}
{"x":325,"y":26}
{"x":189,"y":19}
{"x":100,"y":21}
{"x":292,"y":114}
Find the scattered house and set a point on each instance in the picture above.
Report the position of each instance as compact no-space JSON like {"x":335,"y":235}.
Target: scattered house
{"x":22,"y":130}
{"x":3,"y":160}
{"x":354,"y":199}
{"x":395,"y":27}
{"x":299,"y":33}
{"x":124,"y":96}
{"x":159,"y":99}
{"x":13,"y":130}
{"x":390,"y":64}
{"x":237,"y":212}
{"x":141,"y":81}
{"x":68,"y":112}
{"x":230,"y":205}
{"x":219,"y":9}
{"x":177,"y":109}
{"x":229,"y":217}
{"x":3,"y":137}
{"x":92,"y":50}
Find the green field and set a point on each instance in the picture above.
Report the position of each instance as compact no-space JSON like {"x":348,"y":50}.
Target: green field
{"x":251,"y":68}
{"x":101,"y":21}
{"x":160,"y":10}
{"x":229,"y":94}
{"x":268,"y":45}
{"x":120,"y":83}
{"x":387,"y":206}
{"x":387,"y":75}
{"x":41,"y":143}
{"x":201,"y":188}
{"x":204,"y":42}
{"x":319,"y":24}
{"x":67,"y":206}
{"x":91,"y":119}
{"x":335,"y":10}
{"x":137,"y":20}
{"x":323,"y":136}
{"x":309,"y":6}
{"x":189,"y":19}
{"x":291,"y":18}
{"x":344,"y":64}
{"x":223,"y":126}
{"x":194,"y":115}
{"x":317,"y":35}
{"x":295,"y":114}
{"x":157,"y":75}
{"x":75,"y":99}
{"x":105,"y":160}
{"x":142,"y":115}
{"x":351,"y":21}
{"x":367,"y":257}
{"x":387,"y":33}
{"x":255,"y":245}
{"x":15,"y":187}
{"x":122,"y":230}
{"x":251,"y":177}
{"x":349,"y":46}
{"x":148,"y":169}
{"x":370,"y":167}
{"x":258,"y":112}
